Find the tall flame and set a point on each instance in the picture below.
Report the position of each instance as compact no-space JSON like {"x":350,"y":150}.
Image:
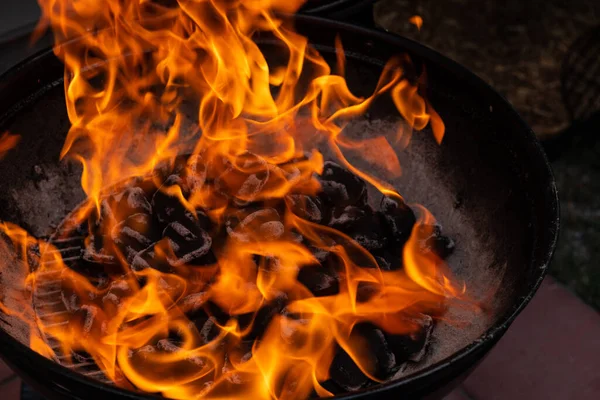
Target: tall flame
{"x":133,"y":71}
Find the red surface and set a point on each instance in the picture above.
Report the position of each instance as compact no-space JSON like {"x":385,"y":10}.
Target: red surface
{"x":551,"y":352}
{"x":11,"y":390}
{"x":458,"y":394}
{"x":5,"y":372}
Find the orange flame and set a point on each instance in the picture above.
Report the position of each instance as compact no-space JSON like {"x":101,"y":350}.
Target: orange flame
{"x":133,"y":71}
{"x":417,"y":21}
{"x":8,"y":141}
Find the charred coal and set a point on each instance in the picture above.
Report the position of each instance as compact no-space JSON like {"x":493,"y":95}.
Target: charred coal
{"x":150,"y":224}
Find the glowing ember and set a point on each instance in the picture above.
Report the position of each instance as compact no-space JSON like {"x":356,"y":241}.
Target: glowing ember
{"x":250,"y":267}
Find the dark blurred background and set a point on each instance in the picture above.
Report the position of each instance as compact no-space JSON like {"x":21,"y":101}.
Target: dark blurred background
{"x":543,"y":55}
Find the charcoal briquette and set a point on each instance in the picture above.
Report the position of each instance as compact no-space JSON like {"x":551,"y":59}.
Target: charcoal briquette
{"x":399,"y":219}
{"x":195,"y":173}
{"x":409,"y":347}
{"x":148,"y":258}
{"x":321,"y":280}
{"x":118,"y":290}
{"x":170,"y":346}
{"x":384,"y":263}
{"x":440,"y":244}
{"x":362,"y":225}
{"x":308,"y":208}
{"x":89,"y":318}
{"x":70,"y":300}
{"x":208,"y":329}
{"x":97,"y":252}
{"x":261,"y":224}
{"x":134,"y":234}
{"x":136,"y":201}
{"x":187,"y":245}
{"x":261,"y":319}
{"x":121,"y":205}
{"x":365,"y":291}
{"x":245,"y":179}
{"x":167,"y":208}
{"x":271,"y":230}
{"x":345,"y":373}
{"x":341,"y":187}
{"x":384,"y":358}
{"x":194,"y":302}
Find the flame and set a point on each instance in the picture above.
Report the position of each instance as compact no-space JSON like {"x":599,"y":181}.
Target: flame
{"x":417,"y":21}
{"x":8,"y":141}
{"x":133,"y":71}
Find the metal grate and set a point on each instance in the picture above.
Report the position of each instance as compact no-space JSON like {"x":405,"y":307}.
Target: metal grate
{"x":48,"y":305}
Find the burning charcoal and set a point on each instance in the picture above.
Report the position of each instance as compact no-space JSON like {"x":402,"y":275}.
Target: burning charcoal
{"x":121,"y":205}
{"x":208,"y":329}
{"x":411,"y":347}
{"x":365,"y":291}
{"x":167,"y":208}
{"x":96,"y":252}
{"x":134,"y":234}
{"x":118,"y":290}
{"x":233,"y":378}
{"x":147,"y":186}
{"x":195,"y":173}
{"x":305,"y":207}
{"x":148,"y":258}
{"x":263,"y":224}
{"x":321,"y":280}
{"x":342,"y":188}
{"x":135,"y":200}
{"x":245,"y":179}
{"x":89,"y":319}
{"x":168,"y":346}
{"x":384,"y":358}
{"x":384,"y":263}
{"x":189,"y":243}
{"x":82,"y":356}
{"x":364,"y":226}
{"x":271,"y":230}
{"x":399,"y":219}
{"x":194,"y":302}
{"x":214,"y":311}
{"x":71,"y":300}
{"x":439,"y":244}
{"x":261,"y":319}
{"x":345,"y":373}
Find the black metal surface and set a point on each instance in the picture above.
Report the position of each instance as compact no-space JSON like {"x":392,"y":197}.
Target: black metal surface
{"x":358,"y":12}
{"x":489,"y":155}
{"x":335,"y":9}
{"x":28,"y":393}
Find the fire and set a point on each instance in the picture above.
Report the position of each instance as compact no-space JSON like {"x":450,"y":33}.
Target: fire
{"x":133,"y":71}
{"x":8,"y":141}
{"x":417,"y":21}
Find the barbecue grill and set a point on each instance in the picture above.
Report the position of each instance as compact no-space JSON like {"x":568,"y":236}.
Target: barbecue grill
{"x":489,"y":184}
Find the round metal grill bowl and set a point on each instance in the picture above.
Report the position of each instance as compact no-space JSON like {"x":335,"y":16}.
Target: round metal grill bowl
{"x":489,"y":184}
